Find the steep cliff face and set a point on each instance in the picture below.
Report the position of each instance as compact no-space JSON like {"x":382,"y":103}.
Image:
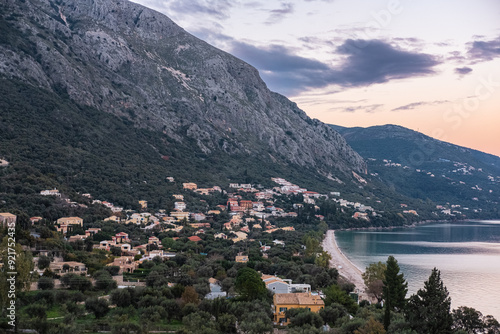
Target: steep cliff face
{"x":133,"y":62}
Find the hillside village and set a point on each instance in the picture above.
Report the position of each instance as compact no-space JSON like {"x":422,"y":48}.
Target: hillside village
{"x":243,"y":225}
{"x":199,"y":249}
{"x":244,"y":216}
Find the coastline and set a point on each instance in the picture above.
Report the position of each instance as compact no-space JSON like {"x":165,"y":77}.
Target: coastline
{"x":343,"y":265}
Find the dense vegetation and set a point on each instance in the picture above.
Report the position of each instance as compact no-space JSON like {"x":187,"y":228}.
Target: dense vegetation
{"x":52,"y":142}
{"x":173,"y":298}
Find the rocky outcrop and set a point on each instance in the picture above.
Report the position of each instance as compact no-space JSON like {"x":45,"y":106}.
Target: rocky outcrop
{"x":128,"y":60}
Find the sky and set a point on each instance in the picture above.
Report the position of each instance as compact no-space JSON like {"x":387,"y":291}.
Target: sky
{"x":431,"y":66}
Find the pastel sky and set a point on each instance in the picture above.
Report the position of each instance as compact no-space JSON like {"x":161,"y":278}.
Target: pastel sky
{"x":432,"y":66}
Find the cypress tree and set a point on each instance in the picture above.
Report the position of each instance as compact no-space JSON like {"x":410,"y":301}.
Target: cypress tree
{"x":394,"y":290}
{"x":428,"y":311}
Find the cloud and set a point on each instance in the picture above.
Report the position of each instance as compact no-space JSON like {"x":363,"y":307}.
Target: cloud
{"x":218,"y":9}
{"x":363,"y":63}
{"x":480,"y":51}
{"x":367,"y":108}
{"x":276,"y":15}
{"x":375,"y":61}
{"x":419,"y":104}
{"x":463,"y":70}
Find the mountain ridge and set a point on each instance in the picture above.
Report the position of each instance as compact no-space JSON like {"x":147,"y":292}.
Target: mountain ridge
{"x":422,"y":167}
{"x":133,"y":62}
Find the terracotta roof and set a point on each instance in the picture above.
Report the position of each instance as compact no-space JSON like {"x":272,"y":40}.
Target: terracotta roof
{"x":195,"y":238}
{"x":297,"y":299}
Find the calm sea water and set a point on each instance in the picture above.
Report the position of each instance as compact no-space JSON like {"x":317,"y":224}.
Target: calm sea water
{"x":466,"y":253}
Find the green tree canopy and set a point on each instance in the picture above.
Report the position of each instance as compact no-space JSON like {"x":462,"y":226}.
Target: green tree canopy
{"x":23,"y":266}
{"x":45,"y":283}
{"x":428,"y":311}
{"x":394,"y":290}
{"x":468,"y":319}
{"x":323,"y":259}
{"x":98,"y":306}
{"x":334,"y":294}
{"x":373,"y":277}
{"x":249,"y":284}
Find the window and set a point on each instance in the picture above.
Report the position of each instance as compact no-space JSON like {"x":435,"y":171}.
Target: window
{"x":282,"y":320}
{"x":283,"y":309}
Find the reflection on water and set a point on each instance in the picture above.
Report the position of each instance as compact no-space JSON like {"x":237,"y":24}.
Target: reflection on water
{"x":468,"y":256}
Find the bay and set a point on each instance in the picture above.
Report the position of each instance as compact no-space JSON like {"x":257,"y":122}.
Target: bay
{"x":466,"y":253}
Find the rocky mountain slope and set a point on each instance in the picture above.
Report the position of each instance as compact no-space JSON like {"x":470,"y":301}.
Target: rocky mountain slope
{"x":423,"y":167}
{"x":132,"y":62}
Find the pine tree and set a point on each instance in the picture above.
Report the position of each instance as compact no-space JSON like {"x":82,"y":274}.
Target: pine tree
{"x":394,"y":291}
{"x":428,"y":311}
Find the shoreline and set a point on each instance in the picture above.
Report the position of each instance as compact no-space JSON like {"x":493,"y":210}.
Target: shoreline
{"x":343,"y":265}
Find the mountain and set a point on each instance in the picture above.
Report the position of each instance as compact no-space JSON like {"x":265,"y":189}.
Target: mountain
{"x":423,"y":167}
{"x":110,"y":97}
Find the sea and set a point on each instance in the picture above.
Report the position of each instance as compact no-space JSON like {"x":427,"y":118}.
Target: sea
{"x":466,"y":253}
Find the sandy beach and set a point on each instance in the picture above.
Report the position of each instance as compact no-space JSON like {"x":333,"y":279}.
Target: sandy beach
{"x":344,"y":266}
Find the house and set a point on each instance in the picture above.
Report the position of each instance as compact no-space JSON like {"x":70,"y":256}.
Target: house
{"x":112,"y":218}
{"x":246,"y":205}
{"x":264,"y":195}
{"x":194,"y":238}
{"x":198,"y":216}
{"x":121,"y":237}
{"x":70,"y":221}
{"x":285,"y":301}
{"x":190,"y":186}
{"x":181,"y":206}
{"x":34,"y":220}
{"x":203,"y":191}
{"x":77,"y":237}
{"x":92,"y":231}
{"x":7,"y":219}
{"x":68,"y":267}
{"x":143,"y":204}
{"x":154,"y":241}
{"x":360,"y":215}
{"x":280,"y":285}
{"x":53,"y":192}
{"x":170,"y":179}
{"x":179,"y":197}
{"x":65,"y":222}
{"x":199,"y":225}
{"x":179,"y":215}
{"x":169,"y":220}
{"x":239,"y":236}
{"x":125,"y":248}
{"x":215,"y":290}
{"x":311,"y":194}
{"x":220,"y":235}
{"x":241,"y":258}
{"x":106,"y":245}
{"x":126,"y":264}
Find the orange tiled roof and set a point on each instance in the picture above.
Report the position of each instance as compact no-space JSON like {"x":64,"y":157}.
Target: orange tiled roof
{"x":297,"y":299}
